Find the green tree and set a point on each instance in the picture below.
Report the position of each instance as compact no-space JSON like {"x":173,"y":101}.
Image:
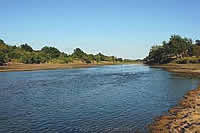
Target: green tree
{"x":197,"y":42}
{"x":157,"y":55}
{"x":179,"y":46}
{"x":26,"y":47}
{"x":195,"y":50}
{"x":2,"y":58}
{"x":51,"y":52}
{"x":119,"y":59}
{"x":176,"y":47}
{"x":113,"y":59}
{"x":2,"y":42}
{"x":3,"y":47}
{"x":100,"y":57}
{"x":78,"y":53}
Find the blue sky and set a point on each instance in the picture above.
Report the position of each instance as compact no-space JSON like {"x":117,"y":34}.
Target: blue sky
{"x":124,"y":28}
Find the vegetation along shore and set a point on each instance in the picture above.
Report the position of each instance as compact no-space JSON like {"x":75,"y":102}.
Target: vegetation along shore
{"x":23,"y":58}
{"x":179,"y":55}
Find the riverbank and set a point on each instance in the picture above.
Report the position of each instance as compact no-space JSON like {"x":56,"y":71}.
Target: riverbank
{"x":32,"y":67}
{"x":185,"y":117}
{"x":186,"y":69}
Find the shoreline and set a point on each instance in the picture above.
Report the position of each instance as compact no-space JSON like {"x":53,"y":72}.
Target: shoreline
{"x":35,"y":67}
{"x":184,"y":69}
{"x":185,"y":116}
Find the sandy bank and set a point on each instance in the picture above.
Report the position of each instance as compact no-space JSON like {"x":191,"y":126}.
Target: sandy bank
{"x":32,"y":67}
{"x":185,"y":117}
{"x":188,"y":69}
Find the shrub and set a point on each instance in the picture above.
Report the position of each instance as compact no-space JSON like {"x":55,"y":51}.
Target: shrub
{"x":181,"y":61}
{"x":186,"y":60}
{"x":2,"y":58}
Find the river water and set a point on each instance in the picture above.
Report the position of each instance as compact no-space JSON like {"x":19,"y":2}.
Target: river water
{"x":118,"y":98}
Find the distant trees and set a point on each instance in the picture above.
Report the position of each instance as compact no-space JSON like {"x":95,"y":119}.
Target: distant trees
{"x":197,"y":42}
{"x":158,"y":55}
{"x":177,"y":47}
{"x":119,"y":59}
{"x":2,"y":58}
{"x":3,"y":47}
{"x":26,"y":47}
{"x":91,"y":57}
{"x":195,"y":50}
{"x":78,"y":53}
{"x":51,"y":52}
{"x":25,"y":54}
{"x":31,"y":58}
{"x":3,"y":51}
{"x":101,"y":57}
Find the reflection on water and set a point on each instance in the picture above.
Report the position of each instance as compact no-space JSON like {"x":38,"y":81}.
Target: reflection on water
{"x":100,"y":99}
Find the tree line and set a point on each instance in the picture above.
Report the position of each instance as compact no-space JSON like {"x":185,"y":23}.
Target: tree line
{"x":25,"y":54}
{"x":178,"y":49}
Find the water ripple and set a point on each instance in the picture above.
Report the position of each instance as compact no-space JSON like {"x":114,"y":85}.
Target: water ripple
{"x":122,"y":98}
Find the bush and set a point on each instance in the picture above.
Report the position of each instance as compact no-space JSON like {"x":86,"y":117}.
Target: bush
{"x":87,"y":61}
{"x":187,"y":60}
{"x":2,"y":58}
{"x":30,"y":58}
{"x":26,"y":47}
{"x":181,"y":61}
{"x":51,"y":52}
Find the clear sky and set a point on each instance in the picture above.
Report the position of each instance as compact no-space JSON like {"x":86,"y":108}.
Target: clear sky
{"x":124,"y":28}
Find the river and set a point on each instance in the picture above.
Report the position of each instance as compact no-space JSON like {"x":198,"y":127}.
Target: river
{"x":117,"y":98}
